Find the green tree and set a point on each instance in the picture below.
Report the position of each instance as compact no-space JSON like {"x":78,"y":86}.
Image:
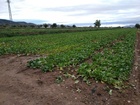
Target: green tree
{"x":137,"y":25}
{"x":54,"y":25}
{"x":62,"y":26}
{"x":45,"y":25}
{"x":97,"y":23}
{"x":74,"y":26}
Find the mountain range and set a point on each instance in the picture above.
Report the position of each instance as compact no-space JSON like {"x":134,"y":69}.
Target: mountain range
{"x":9,"y":22}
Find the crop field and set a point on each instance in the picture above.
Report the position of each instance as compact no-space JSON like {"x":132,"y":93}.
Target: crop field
{"x":10,"y":32}
{"x":105,"y":55}
{"x":72,"y":66}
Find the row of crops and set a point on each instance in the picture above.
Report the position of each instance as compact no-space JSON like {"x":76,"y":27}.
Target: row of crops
{"x":9,"y":32}
{"x":51,"y":43}
{"x":110,"y":52}
{"x":113,"y":64}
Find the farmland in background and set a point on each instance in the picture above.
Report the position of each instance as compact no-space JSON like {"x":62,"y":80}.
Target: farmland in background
{"x":10,"y":32}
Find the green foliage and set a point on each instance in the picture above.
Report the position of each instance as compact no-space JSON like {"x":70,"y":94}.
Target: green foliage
{"x":62,"y":26}
{"x":71,"y":55}
{"x":45,"y":25}
{"x":97,"y":23}
{"x":54,"y":25}
{"x":9,"y":32}
{"x":137,"y":25}
{"x":113,"y":64}
{"x":74,"y":26}
{"x":111,"y":53}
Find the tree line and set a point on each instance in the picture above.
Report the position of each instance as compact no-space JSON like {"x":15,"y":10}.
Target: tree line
{"x":137,"y":26}
{"x":97,"y":24}
{"x":54,"y":25}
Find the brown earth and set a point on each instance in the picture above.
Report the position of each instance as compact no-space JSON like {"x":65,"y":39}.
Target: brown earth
{"x":20,"y":85}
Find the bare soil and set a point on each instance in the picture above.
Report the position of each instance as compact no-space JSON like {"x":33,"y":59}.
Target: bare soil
{"x":20,"y":85}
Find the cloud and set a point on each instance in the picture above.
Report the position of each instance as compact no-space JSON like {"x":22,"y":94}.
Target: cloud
{"x":71,"y":11}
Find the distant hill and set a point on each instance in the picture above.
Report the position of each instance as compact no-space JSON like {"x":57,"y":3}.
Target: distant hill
{"x":8,"y":22}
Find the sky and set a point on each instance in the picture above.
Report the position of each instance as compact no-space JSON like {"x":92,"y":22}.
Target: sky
{"x":78,"y":12}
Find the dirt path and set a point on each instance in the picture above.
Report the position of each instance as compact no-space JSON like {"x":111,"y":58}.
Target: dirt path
{"x":20,"y":85}
{"x":135,"y":76}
